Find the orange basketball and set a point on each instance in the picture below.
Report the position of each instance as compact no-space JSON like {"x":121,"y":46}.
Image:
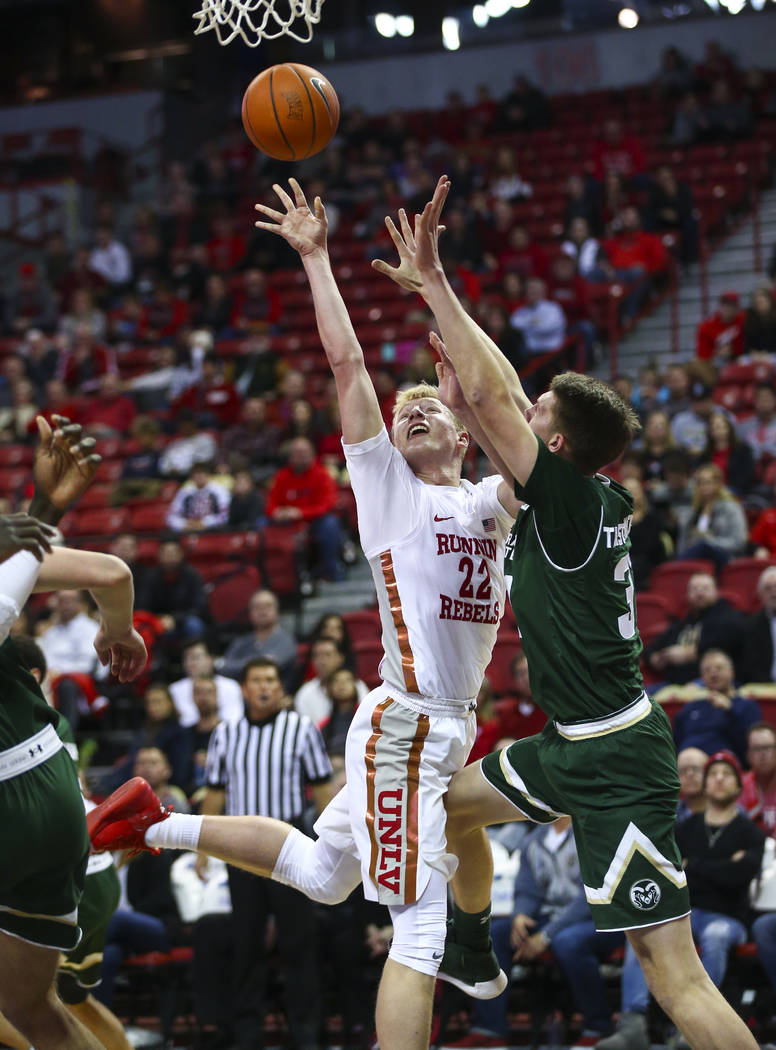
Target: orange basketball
{"x":290,"y":111}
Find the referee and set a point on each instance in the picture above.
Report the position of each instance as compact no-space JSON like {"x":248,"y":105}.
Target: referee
{"x":259,"y":765}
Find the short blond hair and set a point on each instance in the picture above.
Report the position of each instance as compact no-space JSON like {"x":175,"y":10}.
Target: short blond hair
{"x":417,"y":393}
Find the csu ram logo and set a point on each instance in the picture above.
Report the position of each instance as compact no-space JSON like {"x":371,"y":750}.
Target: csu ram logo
{"x":645,"y":894}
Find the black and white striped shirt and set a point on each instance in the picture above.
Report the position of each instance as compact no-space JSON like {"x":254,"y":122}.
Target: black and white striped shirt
{"x":263,"y":766}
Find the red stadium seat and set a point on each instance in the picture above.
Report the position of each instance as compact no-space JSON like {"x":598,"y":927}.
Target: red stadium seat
{"x":149,"y":517}
{"x":14,"y":480}
{"x":368,"y":656}
{"x":652,"y":612}
{"x":230,"y":596}
{"x":95,"y":497}
{"x":740,"y":577}
{"x":282,"y":549}
{"x":498,"y":673}
{"x":15,"y":456}
{"x":363,"y":626}
{"x":99,"y":522}
{"x":220,"y":546}
{"x":669,"y":580}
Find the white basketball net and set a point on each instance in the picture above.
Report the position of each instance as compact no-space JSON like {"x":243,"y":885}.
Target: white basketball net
{"x":257,"y":20}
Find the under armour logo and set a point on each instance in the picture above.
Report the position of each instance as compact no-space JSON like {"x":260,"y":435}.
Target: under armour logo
{"x":35,"y":750}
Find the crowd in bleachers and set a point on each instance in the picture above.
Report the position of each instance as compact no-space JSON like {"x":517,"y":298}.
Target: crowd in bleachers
{"x":185,"y":341}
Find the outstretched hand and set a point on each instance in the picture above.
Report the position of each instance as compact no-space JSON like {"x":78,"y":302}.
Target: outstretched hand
{"x":65,"y":463}
{"x":450,"y":392}
{"x":125,"y":654}
{"x":419,"y":249}
{"x":20,"y":532}
{"x":305,"y":230}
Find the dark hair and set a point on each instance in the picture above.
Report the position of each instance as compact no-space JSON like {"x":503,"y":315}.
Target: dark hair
{"x":261,"y":661}
{"x":191,"y":642}
{"x":345,"y":644}
{"x":761,"y":725}
{"x":31,"y":654}
{"x":596,"y":422}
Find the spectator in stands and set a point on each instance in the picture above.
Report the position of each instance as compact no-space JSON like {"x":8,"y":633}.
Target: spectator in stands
{"x":29,"y":304}
{"x":617,"y":151}
{"x":582,"y":202}
{"x":675,"y":75}
{"x":614,"y":198}
{"x":650,"y":544}
{"x":198,"y":662}
{"x":200,"y":503}
{"x":541,"y":321}
{"x":19,"y":417}
{"x":726,"y":117}
{"x":522,"y":255}
{"x":584,"y":249}
{"x":524,"y":108}
{"x":204,"y":693}
{"x":517,"y":715}
{"x":758,"y":784}
{"x":506,"y":182}
{"x":733,"y":456}
{"x":719,"y":718}
{"x":124,"y":546}
{"x":160,"y":731}
{"x":258,"y":368}
{"x":252,"y":442}
{"x":494,"y":318}
{"x":85,"y":361}
{"x":657,"y":443}
{"x":215,"y":309}
{"x":246,"y":506}
{"x":634,"y":256}
{"x":677,"y":387}
{"x":256,"y":307}
{"x":332,"y":625}
{"x":292,"y":387}
{"x":690,"y":428}
{"x":689,"y":123}
{"x":763,"y":532}
{"x":56,"y":259}
{"x":213,"y":398}
{"x":303,"y":491}
{"x":110,"y":259}
{"x":268,"y":640}
{"x":81,"y":275}
{"x":720,"y":337}
{"x":759,"y":430}
{"x":110,"y":413}
{"x":691,"y":764}
{"x":68,"y":645}
{"x":140,"y":473}
{"x":83,"y":311}
{"x":462,"y":243}
{"x":151,"y":922}
{"x":170,"y":373}
{"x":225,"y":247}
{"x":718,"y":529}
{"x":648,"y":395}
{"x":189,"y":447}
{"x":711,"y":622}
{"x":670,"y":209}
{"x":758,"y":653}
{"x":312,"y":699}
{"x":162,"y":315}
{"x":342,"y":690}
{"x":175,"y":592}
{"x":569,"y":291}
{"x":760,"y":323}
{"x":40,"y":358}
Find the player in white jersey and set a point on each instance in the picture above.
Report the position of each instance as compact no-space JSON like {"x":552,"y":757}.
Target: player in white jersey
{"x":435,"y":545}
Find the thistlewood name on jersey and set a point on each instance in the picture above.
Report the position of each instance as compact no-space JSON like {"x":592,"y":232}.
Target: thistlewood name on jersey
{"x":616,"y":535}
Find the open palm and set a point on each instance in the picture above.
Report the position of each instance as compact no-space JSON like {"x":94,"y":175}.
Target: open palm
{"x":305,"y":230}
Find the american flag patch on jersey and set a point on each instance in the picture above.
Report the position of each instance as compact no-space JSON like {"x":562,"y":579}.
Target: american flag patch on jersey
{"x":489,"y":524}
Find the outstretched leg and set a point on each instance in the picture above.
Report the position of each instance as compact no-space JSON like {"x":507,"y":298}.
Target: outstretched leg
{"x":684,"y":990}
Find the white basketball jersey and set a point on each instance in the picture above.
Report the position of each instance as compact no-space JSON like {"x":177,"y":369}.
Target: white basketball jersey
{"x":436,"y":554}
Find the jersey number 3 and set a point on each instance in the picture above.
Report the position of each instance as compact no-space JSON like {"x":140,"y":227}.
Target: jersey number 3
{"x":622,"y":574}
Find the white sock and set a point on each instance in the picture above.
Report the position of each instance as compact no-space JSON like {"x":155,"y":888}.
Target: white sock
{"x":179,"y":831}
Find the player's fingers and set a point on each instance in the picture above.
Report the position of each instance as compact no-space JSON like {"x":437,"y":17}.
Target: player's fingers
{"x":44,"y":431}
{"x":396,"y":237}
{"x":60,"y":421}
{"x":273,"y":213}
{"x":382,"y":267}
{"x":271,"y":226}
{"x":299,"y":197}
{"x":285,"y":200}
{"x":406,"y":229}
{"x":320,"y":211}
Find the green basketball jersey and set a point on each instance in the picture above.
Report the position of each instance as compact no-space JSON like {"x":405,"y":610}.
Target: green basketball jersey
{"x":571,"y":588}
{"x":23,"y":708}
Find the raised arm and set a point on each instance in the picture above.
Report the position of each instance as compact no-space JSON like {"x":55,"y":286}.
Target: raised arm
{"x":305,"y":230}
{"x":489,"y":383}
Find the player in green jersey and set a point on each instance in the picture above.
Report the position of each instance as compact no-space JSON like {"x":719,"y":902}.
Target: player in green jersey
{"x":606,"y":756}
{"x":45,"y":845}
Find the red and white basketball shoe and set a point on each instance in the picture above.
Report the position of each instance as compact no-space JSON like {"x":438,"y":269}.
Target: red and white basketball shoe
{"x":121,"y":821}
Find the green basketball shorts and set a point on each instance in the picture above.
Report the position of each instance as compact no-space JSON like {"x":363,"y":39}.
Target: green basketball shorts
{"x":44,"y":854}
{"x":80,"y":971}
{"x":616,"y":777}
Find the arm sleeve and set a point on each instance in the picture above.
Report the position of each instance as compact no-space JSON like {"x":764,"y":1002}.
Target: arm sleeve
{"x":18,"y":576}
{"x":387,"y":492}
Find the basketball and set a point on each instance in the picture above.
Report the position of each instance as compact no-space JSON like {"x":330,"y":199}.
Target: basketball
{"x":290,"y":111}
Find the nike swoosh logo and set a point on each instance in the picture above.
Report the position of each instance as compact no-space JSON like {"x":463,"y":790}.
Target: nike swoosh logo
{"x":437,"y":955}
{"x":448,"y":518}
